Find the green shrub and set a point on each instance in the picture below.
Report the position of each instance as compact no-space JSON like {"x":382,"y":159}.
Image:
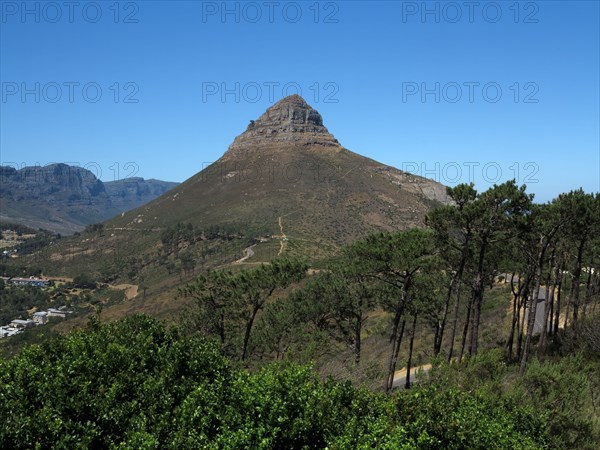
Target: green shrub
{"x":137,"y":384}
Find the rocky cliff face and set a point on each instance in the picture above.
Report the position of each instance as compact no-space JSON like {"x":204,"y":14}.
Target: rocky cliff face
{"x":57,"y":184}
{"x":64,"y":198}
{"x":291,"y":120}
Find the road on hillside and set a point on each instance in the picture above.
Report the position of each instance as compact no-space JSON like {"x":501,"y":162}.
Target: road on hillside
{"x":248,"y":253}
{"x":400,"y":375}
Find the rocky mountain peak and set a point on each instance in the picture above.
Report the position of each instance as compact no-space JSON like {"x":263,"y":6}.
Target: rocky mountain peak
{"x":292,"y":110}
{"x":290,"y":120}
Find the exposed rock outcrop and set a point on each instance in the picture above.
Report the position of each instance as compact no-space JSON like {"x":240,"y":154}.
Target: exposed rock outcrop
{"x":289,"y":120}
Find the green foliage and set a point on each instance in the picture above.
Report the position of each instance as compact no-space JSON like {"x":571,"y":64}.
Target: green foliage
{"x":553,"y":402}
{"x":457,"y":419}
{"x":215,"y":312}
{"x":84,"y":281}
{"x":112,"y":384}
{"x":94,"y":228}
{"x":16,"y":300}
{"x":227,"y":303}
{"x":172,"y":236}
{"x":18,"y":228}
{"x":37,"y":335}
{"x":589,"y":340}
{"x":182,"y":235}
{"x":292,"y":325}
{"x":289,"y":407}
{"x":17,"y":270}
{"x":563,"y":393}
{"x":137,"y":384}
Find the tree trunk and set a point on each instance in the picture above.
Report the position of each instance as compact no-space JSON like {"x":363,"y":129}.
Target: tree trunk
{"x":357,"y":341}
{"x":459,"y":276}
{"x":532,"y":310}
{"x":394,"y":359}
{"x":547,"y":303}
{"x":395,"y":340}
{"x":476,"y":309}
{"x":478,"y":299}
{"x":575,"y":287}
{"x":465,"y":331}
{"x":555,"y":300}
{"x":551,"y":312}
{"x":441,"y":325}
{"x":410,"y":352}
{"x":595,"y":291}
{"x":515,"y":316}
{"x":521,"y":330}
{"x":513,"y":325}
{"x":454,"y":320}
{"x":558,"y":298}
{"x":249,"y":324}
{"x":588,"y":293}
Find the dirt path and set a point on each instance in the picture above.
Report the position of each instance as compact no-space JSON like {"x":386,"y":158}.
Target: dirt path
{"x":400,"y":375}
{"x":248,"y":253}
{"x":131,"y":290}
{"x":283,"y":237}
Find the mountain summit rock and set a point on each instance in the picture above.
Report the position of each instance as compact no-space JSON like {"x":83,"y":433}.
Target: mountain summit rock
{"x":289,"y":120}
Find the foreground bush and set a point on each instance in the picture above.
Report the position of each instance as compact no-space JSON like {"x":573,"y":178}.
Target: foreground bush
{"x":98,"y":387}
{"x":136,"y":384}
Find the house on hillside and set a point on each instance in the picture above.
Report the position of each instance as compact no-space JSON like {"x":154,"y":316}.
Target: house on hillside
{"x":40,"y":317}
{"x":53,"y":312}
{"x":8,"y":331}
{"x":31,"y":281}
{"x":21,"y":324}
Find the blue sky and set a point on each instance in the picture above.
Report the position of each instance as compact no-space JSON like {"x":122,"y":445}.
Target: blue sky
{"x":453,"y":92}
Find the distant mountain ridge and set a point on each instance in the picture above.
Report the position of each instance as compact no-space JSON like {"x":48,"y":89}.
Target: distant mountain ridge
{"x":64,"y":198}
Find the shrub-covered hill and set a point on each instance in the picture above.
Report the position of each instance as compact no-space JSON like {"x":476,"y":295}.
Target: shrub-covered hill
{"x":137,"y":384}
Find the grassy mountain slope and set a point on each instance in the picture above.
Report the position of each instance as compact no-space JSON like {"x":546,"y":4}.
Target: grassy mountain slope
{"x":285,"y":185}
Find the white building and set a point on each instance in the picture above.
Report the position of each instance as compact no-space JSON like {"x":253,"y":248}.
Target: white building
{"x":53,"y":312}
{"x":18,"y":323}
{"x":40,"y":318}
{"x":8,"y":331}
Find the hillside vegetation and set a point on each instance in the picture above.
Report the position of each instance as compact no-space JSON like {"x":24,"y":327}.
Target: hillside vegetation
{"x":245,"y":367}
{"x":284,"y":185}
{"x":136,"y":384}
